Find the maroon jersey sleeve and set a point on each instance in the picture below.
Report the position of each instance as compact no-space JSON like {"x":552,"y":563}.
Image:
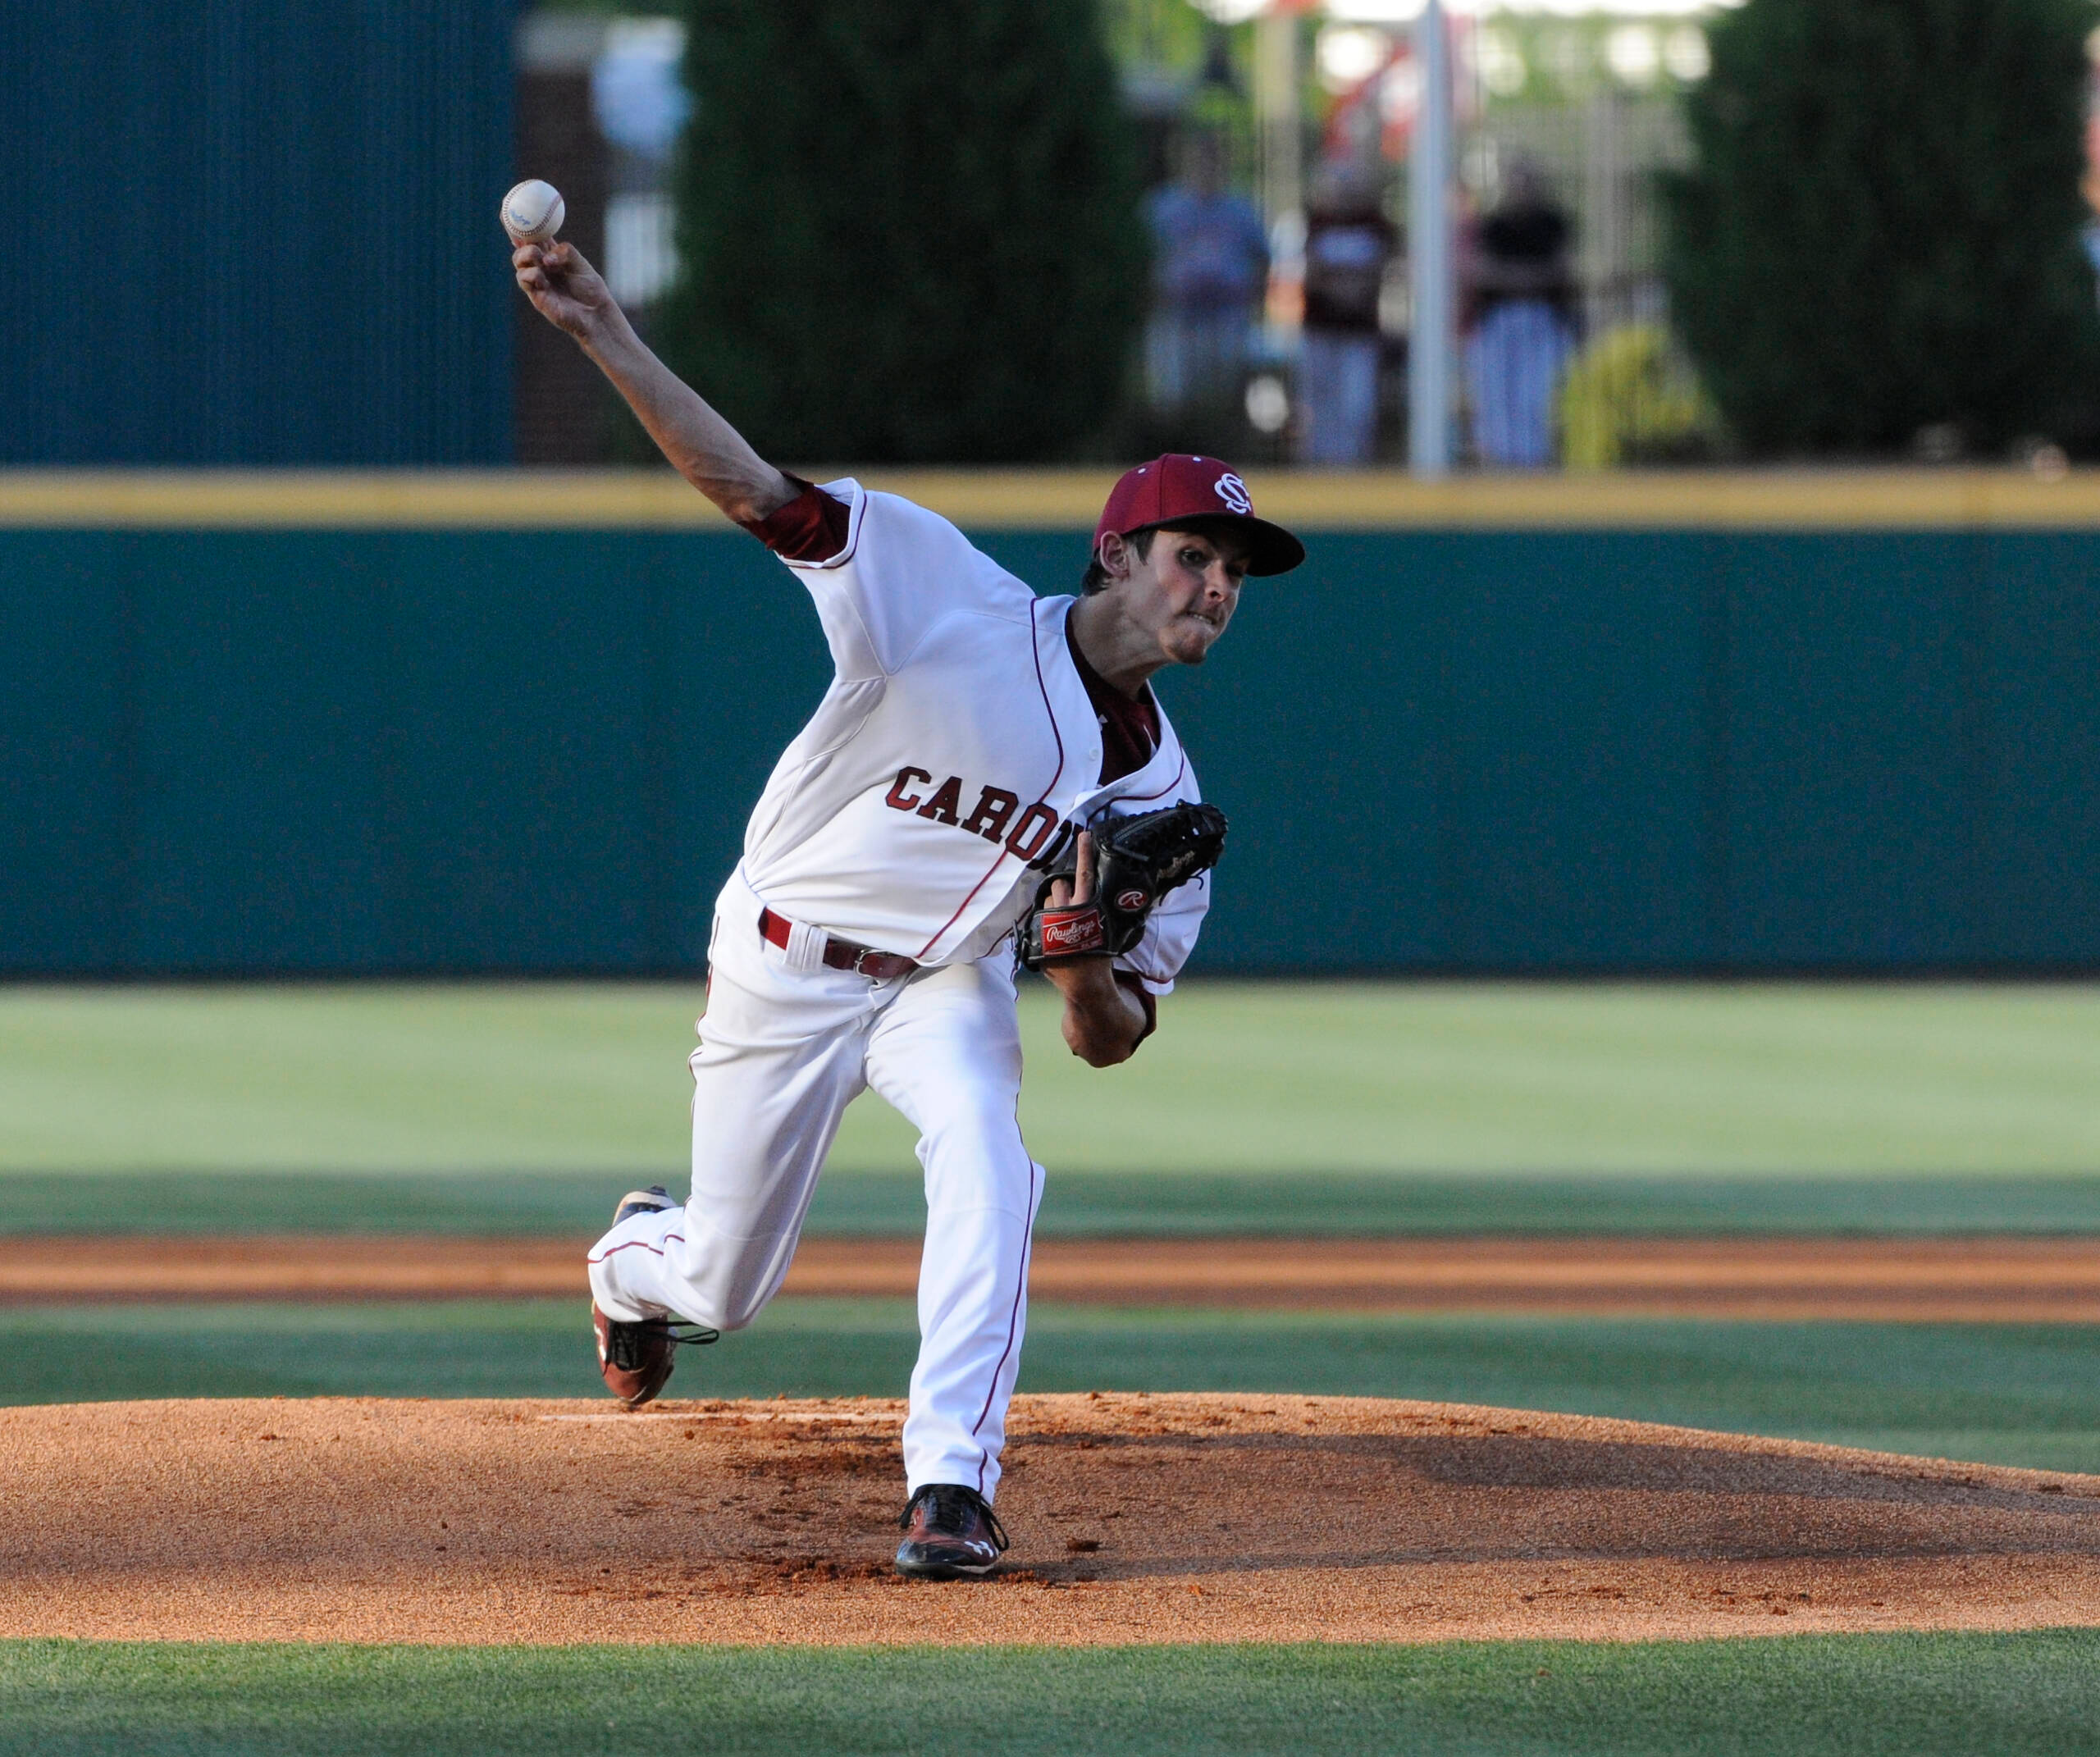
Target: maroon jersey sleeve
{"x":812,"y":527}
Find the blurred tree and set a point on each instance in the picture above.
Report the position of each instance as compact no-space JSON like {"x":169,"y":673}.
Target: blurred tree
{"x":909,"y":228}
{"x":1881,"y":233}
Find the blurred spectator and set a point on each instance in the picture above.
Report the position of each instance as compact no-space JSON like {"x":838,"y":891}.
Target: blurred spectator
{"x":1520,"y":294}
{"x":1348,"y":242}
{"x":635,"y":92}
{"x":1211,"y":266}
{"x":640,"y":107}
{"x":2088,"y":186}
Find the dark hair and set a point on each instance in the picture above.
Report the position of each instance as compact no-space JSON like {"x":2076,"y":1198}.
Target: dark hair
{"x":1097,"y":577}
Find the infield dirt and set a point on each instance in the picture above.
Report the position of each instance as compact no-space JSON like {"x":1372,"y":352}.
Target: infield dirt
{"x":1135,"y":1518}
{"x":2008,"y":1280}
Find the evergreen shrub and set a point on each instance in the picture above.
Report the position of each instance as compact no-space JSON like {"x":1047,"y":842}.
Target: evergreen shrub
{"x":909,"y":229}
{"x":1880,"y":233}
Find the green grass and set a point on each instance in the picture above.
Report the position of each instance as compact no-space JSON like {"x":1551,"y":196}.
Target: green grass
{"x":1848,"y":1696}
{"x":1090,"y":1203}
{"x":1242,"y":1078}
{"x":2005,"y":1394}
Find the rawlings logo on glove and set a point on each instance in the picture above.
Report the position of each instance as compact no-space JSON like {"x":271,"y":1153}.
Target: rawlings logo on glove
{"x":1099,"y":909}
{"x":1069,"y":933}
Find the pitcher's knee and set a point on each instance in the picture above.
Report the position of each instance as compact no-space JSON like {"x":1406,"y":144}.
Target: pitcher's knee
{"x":981,"y":1180}
{"x":978,"y":1134}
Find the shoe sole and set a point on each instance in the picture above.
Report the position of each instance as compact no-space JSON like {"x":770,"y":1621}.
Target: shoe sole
{"x":944,"y":1570}
{"x":640,"y":1202}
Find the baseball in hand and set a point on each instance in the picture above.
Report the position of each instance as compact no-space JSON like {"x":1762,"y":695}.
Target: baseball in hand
{"x":532,"y":212}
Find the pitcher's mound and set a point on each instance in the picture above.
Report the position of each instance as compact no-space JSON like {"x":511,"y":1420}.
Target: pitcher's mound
{"x":1134,"y":1519}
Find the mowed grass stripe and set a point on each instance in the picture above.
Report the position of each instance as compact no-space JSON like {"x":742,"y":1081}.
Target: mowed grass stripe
{"x":1260,"y":1079}
{"x":1857,"y":1696}
{"x":498,"y":1201}
{"x":2023,"y":1395}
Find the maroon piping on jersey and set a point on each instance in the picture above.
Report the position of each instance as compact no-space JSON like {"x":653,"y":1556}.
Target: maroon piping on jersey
{"x":642,"y":1245}
{"x":1173,"y":786}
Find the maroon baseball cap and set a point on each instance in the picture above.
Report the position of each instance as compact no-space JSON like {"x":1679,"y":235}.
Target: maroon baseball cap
{"x":1178,"y":487}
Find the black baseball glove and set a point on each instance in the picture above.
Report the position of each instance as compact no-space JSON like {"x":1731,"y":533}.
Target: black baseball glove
{"x":1136,"y":861}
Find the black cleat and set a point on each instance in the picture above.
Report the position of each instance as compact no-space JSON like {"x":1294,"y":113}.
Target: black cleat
{"x":950,"y":1532}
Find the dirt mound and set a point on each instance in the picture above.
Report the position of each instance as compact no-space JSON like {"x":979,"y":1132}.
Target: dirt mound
{"x":1971,"y":1280}
{"x":1134,"y":1519}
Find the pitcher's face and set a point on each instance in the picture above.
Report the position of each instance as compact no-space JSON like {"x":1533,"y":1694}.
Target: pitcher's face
{"x":1184,"y":591}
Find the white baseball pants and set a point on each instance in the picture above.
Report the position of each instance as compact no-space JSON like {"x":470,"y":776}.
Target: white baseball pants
{"x":786,"y":1045}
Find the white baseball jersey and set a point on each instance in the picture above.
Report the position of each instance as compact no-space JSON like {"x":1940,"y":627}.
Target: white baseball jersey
{"x":954,"y":756}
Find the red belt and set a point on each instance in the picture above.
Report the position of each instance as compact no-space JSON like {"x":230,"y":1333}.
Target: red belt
{"x":839,"y":954}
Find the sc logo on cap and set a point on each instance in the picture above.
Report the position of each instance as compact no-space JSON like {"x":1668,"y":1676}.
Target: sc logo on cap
{"x":1232,"y":492}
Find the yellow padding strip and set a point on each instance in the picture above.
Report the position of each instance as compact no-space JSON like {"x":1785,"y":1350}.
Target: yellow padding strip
{"x":1056,"y":500}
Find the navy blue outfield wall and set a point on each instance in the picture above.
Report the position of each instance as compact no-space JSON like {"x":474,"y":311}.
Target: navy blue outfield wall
{"x":335,"y":752}
{"x":256,"y":231}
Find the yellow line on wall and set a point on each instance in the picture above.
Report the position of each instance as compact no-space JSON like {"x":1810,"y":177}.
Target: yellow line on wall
{"x":1065,"y":499}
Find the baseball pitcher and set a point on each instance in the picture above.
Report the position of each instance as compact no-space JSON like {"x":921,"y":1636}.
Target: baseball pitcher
{"x":987,"y":781}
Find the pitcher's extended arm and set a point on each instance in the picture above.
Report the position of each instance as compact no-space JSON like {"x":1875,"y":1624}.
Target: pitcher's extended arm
{"x":704,"y":449}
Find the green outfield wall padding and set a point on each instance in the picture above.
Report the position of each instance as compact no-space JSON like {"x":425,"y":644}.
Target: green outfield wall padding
{"x":256,"y":232}
{"x":291,"y":751}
